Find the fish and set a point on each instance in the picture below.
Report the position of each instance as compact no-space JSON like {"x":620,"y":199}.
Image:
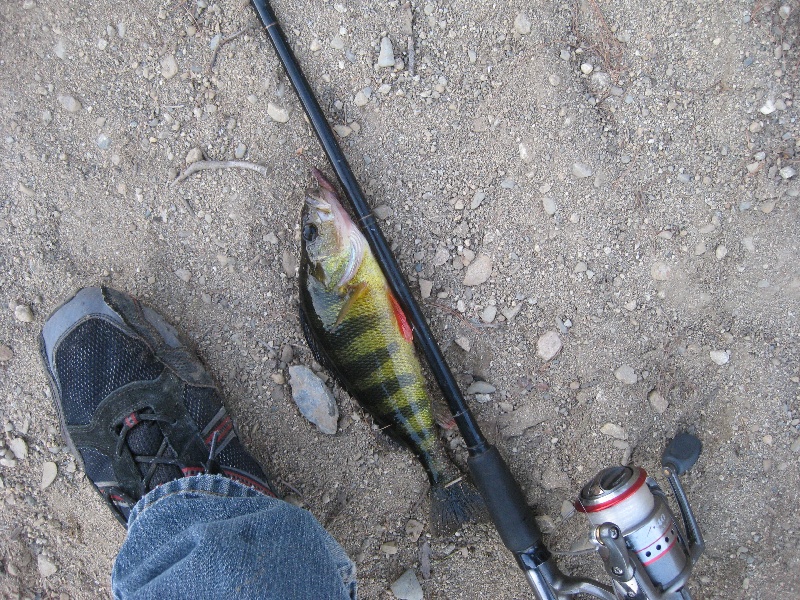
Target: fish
{"x":357,"y":330}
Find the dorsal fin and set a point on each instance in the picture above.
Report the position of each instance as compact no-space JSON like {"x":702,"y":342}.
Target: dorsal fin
{"x":400,"y":316}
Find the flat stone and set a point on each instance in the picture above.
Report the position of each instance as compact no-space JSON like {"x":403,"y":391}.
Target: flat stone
{"x":389,"y":548}
{"x":481,"y":387}
{"x":626,"y":375}
{"x":169,"y":66}
{"x":46,"y":568}
{"x":363,"y":96}
{"x":720,"y":357}
{"x":386,"y":55}
{"x":69,"y":104}
{"x":239,"y":151}
{"x":549,"y":205}
{"x":6,"y":353}
{"x":522,"y":24}
{"x":183,"y":274}
{"x":314,"y":399}
{"x":581,"y":170}
{"x":658,"y":402}
{"x":49,"y":473}
{"x":660,"y":271}
{"x":489,"y":313}
{"x":414,"y":529}
{"x":463,"y":343}
{"x":289,"y":263}
{"x":477,"y":200}
{"x":277,"y":113}
{"x":548,"y":346}
{"x":478,"y":271}
{"x":19,"y":448}
{"x":613,"y":430}
{"x":194,"y":155}
{"x":407,"y":587}
{"x":425,"y":288}
{"x":23,"y":313}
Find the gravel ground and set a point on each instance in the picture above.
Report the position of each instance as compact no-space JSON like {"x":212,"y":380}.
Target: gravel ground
{"x":616,"y":178}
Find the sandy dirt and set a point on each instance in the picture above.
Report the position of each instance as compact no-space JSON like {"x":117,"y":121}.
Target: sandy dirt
{"x":627,"y":167}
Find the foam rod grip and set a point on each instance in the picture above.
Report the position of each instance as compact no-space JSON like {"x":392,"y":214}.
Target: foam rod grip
{"x":511,"y":514}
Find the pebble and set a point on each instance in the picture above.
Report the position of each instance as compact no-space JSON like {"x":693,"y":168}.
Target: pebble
{"x":386,"y":55}
{"x":169,"y":66}
{"x":511,"y":311}
{"x":565,"y":54}
{"x":548,"y":346}
{"x":441,"y":256}
{"x":19,"y":448}
{"x":194,"y":155}
{"x":46,"y":568}
{"x":554,"y":80}
{"x":363,"y":96}
{"x":414,"y":529}
{"x":477,"y":199}
{"x":407,"y":586}
{"x":314,"y":399}
{"x":581,"y":170}
{"x":768,"y":108}
{"x":463,"y":343}
{"x":626,"y":375}
{"x":721,"y":252}
{"x":522,"y":24}
{"x":289,"y":263}
{"x":525,"y":152}
{"x":425,"y":288}
{"x":481,"y":387}
{"x":287,"y":354}
{"x":342,"y":130}
{"x":49,"y":473}
{"x":183,"y":274}
{"x":389,"y":548}
{"x":549,"y":205}
{"x":6,"y":353}
{"x":277,"y":113}
{"x":660,"y":271}
{"x":337,"y":43}
{"x":720,"y":357}
{"x":23,"y":313}
{"x":787,"y":172}
{"x":240,"y":151}
{"x":657,"y":401}
{"x":613,"y":430}
{"x":586,"y":68}
{"x":478,"y":271}
{"x":103,"y":141}
{"x":795,"y":447}
{"x":487,"y":315}
{"x":69,"y":104}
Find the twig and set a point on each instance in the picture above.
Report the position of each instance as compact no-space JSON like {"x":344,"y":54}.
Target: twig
{"x":202,"y":165}
{"x":224,"y":41}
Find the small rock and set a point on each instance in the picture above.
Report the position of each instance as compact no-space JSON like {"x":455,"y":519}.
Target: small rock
{"x":478,"y":271}
{"x":69,"y":104}
{"x":477,"y":200}
{"x":522,"y":24}
{"x":342,"y":130}
{"x":363,"y":96}
{"x":315,"y":46}
{"x":511,"y":311}
{"x":720,"y":357}
{"x":554,"y":80}
{"x":658,"y":402}
{"x":414,"y":529}
{"x":488,"y":314}
{"x":721,"y":252}
{"x":6,"y":353}
{"x":314,"y":399}
{"x":337,"y":43}
{"x":386,"y":55}
{"x":581,"y":170}
{"x":289,"y":263}
{"x":613,"y":430}
{"x":103,"y":141}
{"x":194,"y":155}
{"x":49,"y":472}
{"x":787,"y":172}
{"x":660,"y":271}
{"x":46,"y":568}
{"x":277,"y":113}
{"x":549,"y":205}
{"x":169,"y":66}
{"x":586,"y":68}
{"x":382,"y":211}
{"x":183,"y":274}
{"x":23,"y":313}
{"x":389,"y":548}
{"x":407,"y":587}
{"x":239,"y":151}
{"x":19,"y":448}
{"x":287,"y":354}
{"x":481,"y":387}
{"x":768,"y":108}
{"x":626,"y":375}
{"x":548,"y":346}
{"x":795,"y":447}
{"x":525,"y":152}
{"x":425,"y":288}
{"x":463,"y":343}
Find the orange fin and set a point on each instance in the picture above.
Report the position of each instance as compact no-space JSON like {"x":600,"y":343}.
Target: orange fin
{"x":402,"y":322}
{"x":441,"y":413}
{"x":355,"y":293}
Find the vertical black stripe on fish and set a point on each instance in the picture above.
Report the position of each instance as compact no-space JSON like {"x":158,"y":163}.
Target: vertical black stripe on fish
{"x":353,"y":328}
{"x":388,"y":388}
{"x":371,"y":361}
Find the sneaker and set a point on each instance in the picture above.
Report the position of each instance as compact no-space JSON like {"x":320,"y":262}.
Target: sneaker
{"x":137,"y":407}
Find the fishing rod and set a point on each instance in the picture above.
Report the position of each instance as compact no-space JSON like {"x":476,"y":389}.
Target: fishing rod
{"x":505,"y":500}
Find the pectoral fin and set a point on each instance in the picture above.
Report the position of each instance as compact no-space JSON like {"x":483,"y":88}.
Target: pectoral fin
{"x":355,"y":293}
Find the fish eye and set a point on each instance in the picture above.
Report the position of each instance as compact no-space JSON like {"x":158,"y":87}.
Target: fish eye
{"x":310,"y":232}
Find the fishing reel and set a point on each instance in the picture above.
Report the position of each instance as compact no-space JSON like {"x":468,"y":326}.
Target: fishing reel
{"x":635,"y":533}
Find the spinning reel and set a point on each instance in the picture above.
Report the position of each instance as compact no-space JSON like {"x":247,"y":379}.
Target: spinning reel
{"x":642,"y":547}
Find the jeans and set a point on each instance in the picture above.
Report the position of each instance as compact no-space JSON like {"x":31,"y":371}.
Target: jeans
{"x":210,"y":537}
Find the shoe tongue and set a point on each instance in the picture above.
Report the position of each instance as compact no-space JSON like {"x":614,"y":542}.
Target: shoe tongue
{"x":145,"y":439}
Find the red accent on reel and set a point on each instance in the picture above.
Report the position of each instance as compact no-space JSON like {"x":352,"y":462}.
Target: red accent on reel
{"x":614,"y":501}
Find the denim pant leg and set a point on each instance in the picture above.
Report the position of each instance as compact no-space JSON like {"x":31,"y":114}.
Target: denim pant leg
{"x":210,"y":537}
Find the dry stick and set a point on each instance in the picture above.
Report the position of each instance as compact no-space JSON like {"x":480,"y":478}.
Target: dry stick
{"x":224,"y":41}
{"x":202,"y":165}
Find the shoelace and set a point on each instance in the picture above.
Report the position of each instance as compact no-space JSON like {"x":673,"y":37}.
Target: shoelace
{"x":211,"y":467}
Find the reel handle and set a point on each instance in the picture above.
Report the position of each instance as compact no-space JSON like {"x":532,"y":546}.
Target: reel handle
{"x":681,"y":453}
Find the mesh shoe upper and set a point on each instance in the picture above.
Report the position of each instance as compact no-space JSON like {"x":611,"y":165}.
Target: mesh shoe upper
{"x":137,"y":407}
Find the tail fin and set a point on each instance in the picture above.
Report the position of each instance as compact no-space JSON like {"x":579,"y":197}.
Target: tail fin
{"x":454,"y":505}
